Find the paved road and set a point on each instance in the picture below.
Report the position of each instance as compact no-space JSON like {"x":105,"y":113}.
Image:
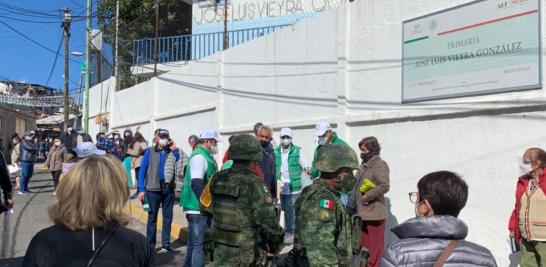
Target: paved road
{"x":30,"y":216}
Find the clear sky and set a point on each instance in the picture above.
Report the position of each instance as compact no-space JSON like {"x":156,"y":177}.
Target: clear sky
{"x":20,"y":59}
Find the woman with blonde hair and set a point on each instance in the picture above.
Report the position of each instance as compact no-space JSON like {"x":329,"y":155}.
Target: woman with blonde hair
{"x":89,"y":222}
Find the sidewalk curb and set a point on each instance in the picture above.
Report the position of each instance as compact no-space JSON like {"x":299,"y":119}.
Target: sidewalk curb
{"x":136,"y":212}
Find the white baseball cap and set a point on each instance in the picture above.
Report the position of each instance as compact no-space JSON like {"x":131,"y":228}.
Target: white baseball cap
{"x":322,"y":127}
{"x":87,"y":149}
{"x":286,"y":132}
{"x":210,"y":134}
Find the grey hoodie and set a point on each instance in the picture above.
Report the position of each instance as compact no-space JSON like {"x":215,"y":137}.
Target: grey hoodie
{"x":423,"y":239}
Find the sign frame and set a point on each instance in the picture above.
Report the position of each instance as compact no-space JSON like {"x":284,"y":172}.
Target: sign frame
{"x":481,"y":92}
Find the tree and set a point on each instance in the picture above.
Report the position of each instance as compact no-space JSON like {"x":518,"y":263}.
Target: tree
{"x":137,"y":21}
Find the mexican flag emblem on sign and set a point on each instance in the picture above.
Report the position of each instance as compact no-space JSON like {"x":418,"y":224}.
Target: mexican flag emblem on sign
{"x":327,"y":204}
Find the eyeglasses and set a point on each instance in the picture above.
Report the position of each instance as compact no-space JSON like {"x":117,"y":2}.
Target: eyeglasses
{"x":286,"y":137}
{"x":413,"y":197}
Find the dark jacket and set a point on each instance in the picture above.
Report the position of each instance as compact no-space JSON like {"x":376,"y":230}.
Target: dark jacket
{"x":5,"y":183}
{"x":28,"y":151}
{"x":60,"y":246}
{"x":70,"y":141}
{"x":371,"y":205}
{"x":268,"y":168}
{"x":423,"y":239}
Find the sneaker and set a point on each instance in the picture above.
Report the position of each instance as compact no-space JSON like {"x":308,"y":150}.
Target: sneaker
{"x":28,"y":191}
{"x":22,"y":193}
{"x":166,"y":248}
{"x":288,"y":239}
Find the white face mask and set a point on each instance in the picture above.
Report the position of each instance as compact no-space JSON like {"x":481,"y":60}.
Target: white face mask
{"x":524,"y":168}
{"x":322,"y":140}
{"x":286,"y":141}
{"x":163,"y":142}
{"x":214,"y":149}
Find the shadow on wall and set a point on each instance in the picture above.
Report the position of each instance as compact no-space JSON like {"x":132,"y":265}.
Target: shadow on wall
{"x":515,"y":259}
{"x":391,"y":222}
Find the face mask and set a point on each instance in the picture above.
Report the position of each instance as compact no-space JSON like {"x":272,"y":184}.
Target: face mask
{"x":347,"y":183}
{"x":163,"y":142}
{"x":323,"y":140}
{"x":264,"y":143}
{"x":214,"y":149}
{"x":286,"y":141}
{"x":524,"y":168}
{"x":127,"y":134}
{"x":366,"y":156}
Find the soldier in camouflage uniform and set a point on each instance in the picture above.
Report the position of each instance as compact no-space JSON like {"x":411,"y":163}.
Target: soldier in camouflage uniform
{"x":244,"y":224}
{"x":323,"y":227}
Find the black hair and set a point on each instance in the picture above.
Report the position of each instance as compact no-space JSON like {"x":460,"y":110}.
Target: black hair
{"x":445,"y":191}
{"x":193,"y":137}
{"x":86,"y":137}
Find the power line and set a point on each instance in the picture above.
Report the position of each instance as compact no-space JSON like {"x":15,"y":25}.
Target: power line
{"x":29,"y":21}
{"x":54,"y":61}
{"x":30,"y":39}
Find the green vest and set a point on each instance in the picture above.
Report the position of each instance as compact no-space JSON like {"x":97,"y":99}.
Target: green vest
{"x":188,"y":200}
{"x":335,"y":140}
{"x":294,"y":168}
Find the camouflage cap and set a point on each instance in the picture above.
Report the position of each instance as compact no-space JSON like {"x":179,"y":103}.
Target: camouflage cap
{"x":245,"y":147}
{"x":332,"y":157}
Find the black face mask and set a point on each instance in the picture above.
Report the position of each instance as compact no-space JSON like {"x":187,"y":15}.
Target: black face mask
{"x":264,"y":144}
{"x":366,"y":156}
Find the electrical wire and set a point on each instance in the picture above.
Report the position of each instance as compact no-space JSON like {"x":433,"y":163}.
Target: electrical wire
{"x":54,"y":61}
{"x":31,"y":40}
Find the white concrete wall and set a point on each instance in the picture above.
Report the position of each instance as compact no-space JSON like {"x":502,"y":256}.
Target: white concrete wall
{"x":344,"y":67}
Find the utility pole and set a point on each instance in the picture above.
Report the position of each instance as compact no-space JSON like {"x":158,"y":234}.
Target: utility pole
{"x":66,"y":30}
{"x":78,"y":106}
{"x":156,"y":35}
{"x":226,"y":37}
{"x":116,"y":59}
{"x":87,"y":59}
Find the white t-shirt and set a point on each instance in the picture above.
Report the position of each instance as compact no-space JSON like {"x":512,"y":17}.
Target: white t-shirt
{"x":285,"y":175}
{"x":198,"y":169}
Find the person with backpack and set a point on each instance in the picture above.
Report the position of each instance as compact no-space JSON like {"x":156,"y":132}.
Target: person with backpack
{"x":201,"y":168}
{"x":245,"y":228}
{"x":161,"y":165}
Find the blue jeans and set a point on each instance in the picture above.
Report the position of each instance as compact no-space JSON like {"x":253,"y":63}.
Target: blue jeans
{"x":287,"y":205}
{"x":166,"y":199}
{"x":195,"y":253}
{"x":27,"y":169}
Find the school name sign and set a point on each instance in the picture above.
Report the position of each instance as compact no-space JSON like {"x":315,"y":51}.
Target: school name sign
{"x":485,"y":46}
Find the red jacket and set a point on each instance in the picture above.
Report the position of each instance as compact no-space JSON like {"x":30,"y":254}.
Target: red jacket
{"x":521,"y":187}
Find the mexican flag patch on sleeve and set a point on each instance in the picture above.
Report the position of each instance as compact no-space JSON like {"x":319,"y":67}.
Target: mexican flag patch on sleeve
{"x":265,"y":189}
{"x":326,"y":204}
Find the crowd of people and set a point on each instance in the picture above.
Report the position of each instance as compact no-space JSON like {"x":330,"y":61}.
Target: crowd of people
{"x":338,"y":220}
